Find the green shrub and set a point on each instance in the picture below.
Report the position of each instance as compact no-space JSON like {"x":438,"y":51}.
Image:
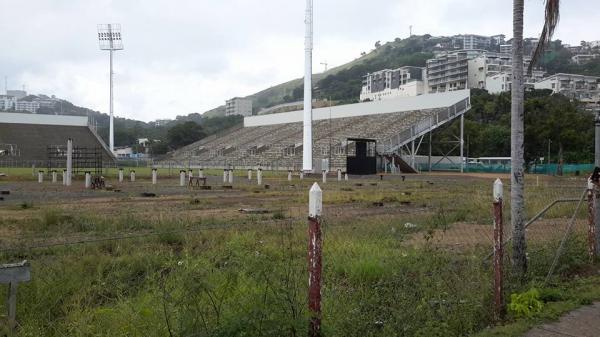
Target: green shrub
{"x":525,"y":304}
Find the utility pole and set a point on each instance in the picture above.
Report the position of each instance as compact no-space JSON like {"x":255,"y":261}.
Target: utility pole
{"x":325,"y":64}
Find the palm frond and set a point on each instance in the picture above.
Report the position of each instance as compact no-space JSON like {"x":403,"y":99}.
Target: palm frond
{"x":551,"y":21}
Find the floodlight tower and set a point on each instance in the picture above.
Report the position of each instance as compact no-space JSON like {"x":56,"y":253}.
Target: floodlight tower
{"x":109,"y":36}
{"x":307,"y":164}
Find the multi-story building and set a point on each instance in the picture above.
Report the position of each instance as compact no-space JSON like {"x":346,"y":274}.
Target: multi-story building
{"x":46,"y":102}
{"x":448,"y":72}
{"x":498,"y":39}
{"x":506,"y":49}
{"x":401,"y":82}
{"x":471,"y":41}
{"x":485,"y":65}
{"x":31,"y":106}
{"x":583,"y":58}
{"x":502,"y":82}
{"x":238,"y":106}
{"x":466,"y":69}
{"x":7,"y":103}
{"x":580,"y":87}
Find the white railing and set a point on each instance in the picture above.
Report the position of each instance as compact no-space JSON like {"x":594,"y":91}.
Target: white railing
{"x":424,"y":126}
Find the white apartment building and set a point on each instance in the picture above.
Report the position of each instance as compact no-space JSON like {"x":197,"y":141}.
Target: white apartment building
{"x":471,"y":41}
{"x":502,"y":82}
{"x":506,"y":49}
{"x":580,"y":87}
{"x":7,"y":102}
{"x":27,"y":106}
{"x":583,"y":58}
{"x":384,"y":84}
{"x":467,"y":69}
{"x":485,"y":65}
{"x":238,"y":106}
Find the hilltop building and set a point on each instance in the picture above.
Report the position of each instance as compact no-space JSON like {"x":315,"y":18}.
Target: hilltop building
{"x":238,"y":106}
{"x":7,"y":103}
{"x":583,"y":88}
{"x":402,"y":82}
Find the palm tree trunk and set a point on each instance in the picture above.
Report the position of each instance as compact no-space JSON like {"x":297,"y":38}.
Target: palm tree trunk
{"x":519,"y":258}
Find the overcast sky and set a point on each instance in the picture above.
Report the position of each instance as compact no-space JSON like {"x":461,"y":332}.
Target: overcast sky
{"x":184,"y":56}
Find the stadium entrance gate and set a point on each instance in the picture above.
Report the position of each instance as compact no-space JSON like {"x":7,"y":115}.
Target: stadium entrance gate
{"x":362,"y":157}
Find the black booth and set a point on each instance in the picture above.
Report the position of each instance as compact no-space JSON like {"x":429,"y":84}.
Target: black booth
{"x":361,"y":156}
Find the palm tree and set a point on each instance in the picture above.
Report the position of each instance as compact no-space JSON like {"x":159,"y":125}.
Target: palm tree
{"x":519,"y":258}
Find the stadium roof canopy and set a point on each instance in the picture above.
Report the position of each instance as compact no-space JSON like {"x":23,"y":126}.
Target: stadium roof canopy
{"x":393,"y":105}
{"x":23,"y":118}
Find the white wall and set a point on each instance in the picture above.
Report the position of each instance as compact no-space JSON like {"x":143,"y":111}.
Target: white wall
{"x":18,"y":118}
{"x":401,"y":104}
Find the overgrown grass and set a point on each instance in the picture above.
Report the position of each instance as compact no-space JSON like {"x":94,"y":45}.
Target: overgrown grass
{"x":246,"y":275}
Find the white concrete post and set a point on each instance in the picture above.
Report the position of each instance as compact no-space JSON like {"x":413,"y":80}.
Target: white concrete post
{"x":259,"y":176}
{"x":54,"y":177}
{"x":64,"y":177}
{"x":290,"y":175}
{"x":182,"y":178}
{"x":154,"y":176}
{"x":225,"y":176}
{"x":40,"y":176}
{"x":69,"y":161}
{"x":339,"y":172}
{"x":324,"y":176}
{"x":190,"y":174}
{"x":301,"y":175}
{"x":249,"y":174}
{"x":346,"y":176}
{"x":201,"y":173}
{"x":88,"y":180}
{"x":230,"y":173}
{"x":120,"y":175}
{"x":132,"y":175}
{"x":315,"y":201}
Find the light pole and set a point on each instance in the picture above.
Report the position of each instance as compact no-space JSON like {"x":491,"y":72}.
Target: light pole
{"x":307,"y":164}
{"x":109,"y":36}
{"x":596,"y":188}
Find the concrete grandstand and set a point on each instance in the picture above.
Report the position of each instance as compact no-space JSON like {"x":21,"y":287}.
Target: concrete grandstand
{"x":275,"y":141}
{"x":27,"y":139}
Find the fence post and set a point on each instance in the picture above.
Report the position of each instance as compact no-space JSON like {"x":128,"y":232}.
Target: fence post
{"x":324,"y":176}
{"x":40,"y":176}
{"x":225,"y":176}
{"x":230,"y":173}
{"x":88,"y":179}
{"x":181,"y":178}
{"x":154,"y":176}
{"x":498,"y":251}
{"x":132,"y":176}
{"x":54,"y":177}
{"x":315,"y":249}
{"x":591,"y":222}
{"x":249,"y":174}
{"x":120,"y":175}
{"x":259,"y":176}
{"x":289,"y":175}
